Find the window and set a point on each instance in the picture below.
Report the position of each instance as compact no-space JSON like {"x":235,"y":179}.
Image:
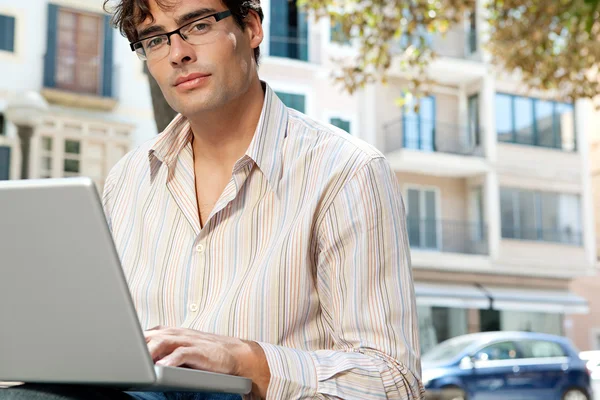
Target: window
{"x":341,"y":123}
{"x":535,"y":122}
{"x":289,"y":31}
{"x":72,"y":160}
{"x":7,"y":33}
{"x":474,"y":132}
{"x":422,"y":222}
{"x":46,"y":152}
{"x":523,"y":120}
{"x":419,"y":127}
{"x":472,"y":32}
{"x":295,"y":101}
{"x":542,"y":216}
{"x":497,"y":351}
{"x":504,"y":111}
{"x":4,"y":163}
{"x":477,"y":212}
{"x":527,"y":321}
{"x":489,"y":320}
{"x":437,"y":324}
{"x":541,"y":349}
{"x":79,"y":52}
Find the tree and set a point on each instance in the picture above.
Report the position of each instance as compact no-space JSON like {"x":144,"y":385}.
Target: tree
{"x":550,"y":43}
{"x":163,"y":113}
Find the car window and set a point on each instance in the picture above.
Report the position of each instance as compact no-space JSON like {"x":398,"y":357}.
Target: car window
{"x":541,"y":349}
{"x":497,"y":351}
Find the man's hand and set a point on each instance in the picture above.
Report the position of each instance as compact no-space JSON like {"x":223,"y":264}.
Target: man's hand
{"x":179,"y":347}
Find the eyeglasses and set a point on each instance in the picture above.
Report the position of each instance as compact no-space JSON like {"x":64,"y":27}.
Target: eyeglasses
{"x":198,"y":32}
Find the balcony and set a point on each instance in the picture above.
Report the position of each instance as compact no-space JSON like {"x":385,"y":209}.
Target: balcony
{"x":414,"y":133}
{"x":413,"y":144}
{"x":565,"y":236}
{"x":83,"y":84}
{"x":447,"y":236}
{"x":456,"y":43}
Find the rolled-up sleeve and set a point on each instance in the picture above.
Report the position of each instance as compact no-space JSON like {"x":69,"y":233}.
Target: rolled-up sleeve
{"x":365,"y":288}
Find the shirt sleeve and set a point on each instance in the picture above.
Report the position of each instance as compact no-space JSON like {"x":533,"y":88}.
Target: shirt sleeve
{"x":107,"y":193}
{"x":365,"y":286}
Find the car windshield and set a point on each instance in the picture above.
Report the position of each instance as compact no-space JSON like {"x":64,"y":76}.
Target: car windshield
{"x":447,"y":350}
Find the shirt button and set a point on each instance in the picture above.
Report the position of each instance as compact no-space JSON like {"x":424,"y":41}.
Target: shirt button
{"x":200,"y":248}
{"x":193,"y":307}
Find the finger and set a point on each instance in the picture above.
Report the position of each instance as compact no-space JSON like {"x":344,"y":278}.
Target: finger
{"x":156,"y":328}
{"x":156,"y":331}
{"x":160,"y":346}
{"x":179,"y":357}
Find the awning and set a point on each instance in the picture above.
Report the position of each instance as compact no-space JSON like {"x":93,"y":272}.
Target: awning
{"x":509,"y":299}
{"x":550,"y":301}
{"x":450,"y":295}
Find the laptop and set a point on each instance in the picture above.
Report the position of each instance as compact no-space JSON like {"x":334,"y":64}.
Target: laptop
{"x":66,"y":313}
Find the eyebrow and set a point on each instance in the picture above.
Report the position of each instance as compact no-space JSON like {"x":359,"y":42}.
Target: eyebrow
{"x":157,"y":29}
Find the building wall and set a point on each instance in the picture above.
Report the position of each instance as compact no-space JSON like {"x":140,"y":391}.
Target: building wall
{"x":23,"y":70}
{"x":538,"y":168}
{"x":595,"y":181}
{"x":584,"y":330}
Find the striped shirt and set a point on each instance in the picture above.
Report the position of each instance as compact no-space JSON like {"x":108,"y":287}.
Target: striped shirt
{"x":305,"y":252}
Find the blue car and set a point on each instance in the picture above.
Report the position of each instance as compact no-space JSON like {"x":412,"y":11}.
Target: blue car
{"x":506,"y":366}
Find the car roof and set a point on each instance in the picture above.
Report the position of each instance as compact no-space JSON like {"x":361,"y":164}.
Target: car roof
{"x":485,"y":337}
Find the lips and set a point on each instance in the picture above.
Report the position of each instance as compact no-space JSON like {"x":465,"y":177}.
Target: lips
{"x":189,"y":78}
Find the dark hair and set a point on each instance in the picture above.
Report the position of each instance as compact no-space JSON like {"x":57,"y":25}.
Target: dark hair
{"x":127,"y":14}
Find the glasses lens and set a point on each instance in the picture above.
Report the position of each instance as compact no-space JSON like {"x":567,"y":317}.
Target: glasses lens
{"x":201,"y":32}
{"x":156,"y":47}
{"x":139,"y":50}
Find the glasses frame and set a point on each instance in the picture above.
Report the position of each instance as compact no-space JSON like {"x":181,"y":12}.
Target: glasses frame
{"x":218,"y":17}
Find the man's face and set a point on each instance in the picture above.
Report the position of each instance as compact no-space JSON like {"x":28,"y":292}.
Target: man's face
{"x":221,"y":70}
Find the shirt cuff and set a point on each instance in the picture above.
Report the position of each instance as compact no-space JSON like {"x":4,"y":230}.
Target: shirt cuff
{"x":293,"y":373}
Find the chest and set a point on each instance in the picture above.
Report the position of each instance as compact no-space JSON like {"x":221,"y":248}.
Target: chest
{"x":228,"y":272}
{"x":209,"y":188}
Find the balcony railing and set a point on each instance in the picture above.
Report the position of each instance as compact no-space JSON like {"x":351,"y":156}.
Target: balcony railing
{"x":456,"y":43}
{"x":294,"y":45}
{"x":447,"y":236}
{"x":564,"y":236}
{"x":416,"y":133}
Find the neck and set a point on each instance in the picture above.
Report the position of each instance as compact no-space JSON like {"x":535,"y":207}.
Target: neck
{"x":223,"y":135}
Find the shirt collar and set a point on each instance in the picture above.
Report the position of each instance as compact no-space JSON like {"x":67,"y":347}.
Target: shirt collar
{"x":267,"y":144}
{"x":265,"y":148}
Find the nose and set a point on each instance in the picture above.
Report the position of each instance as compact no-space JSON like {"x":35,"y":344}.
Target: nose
{"x":181,"y":52}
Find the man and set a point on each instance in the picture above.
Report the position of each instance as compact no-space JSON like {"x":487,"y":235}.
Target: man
{"x":255,"y":240}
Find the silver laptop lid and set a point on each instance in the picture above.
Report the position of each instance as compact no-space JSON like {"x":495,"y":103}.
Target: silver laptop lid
{"x":63,"y":296}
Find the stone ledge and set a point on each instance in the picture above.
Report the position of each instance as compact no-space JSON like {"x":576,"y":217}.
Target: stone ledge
{"x":72,"y":99}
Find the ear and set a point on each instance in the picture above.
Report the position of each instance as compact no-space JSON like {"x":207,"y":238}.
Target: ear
{"x":254,"y":29}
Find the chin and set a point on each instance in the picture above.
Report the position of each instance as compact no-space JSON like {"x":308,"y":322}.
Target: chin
{"x":193,"y":103}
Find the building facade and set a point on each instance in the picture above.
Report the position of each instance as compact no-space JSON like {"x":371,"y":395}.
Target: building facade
{"x":98,"y":94}
{"x":499,"y":204}
{"x":499,"y":208}
{"x":585,"y":328}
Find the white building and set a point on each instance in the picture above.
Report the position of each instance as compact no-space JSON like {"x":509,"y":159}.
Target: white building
{"x":494,"y":179}
{"x":98,"y":93}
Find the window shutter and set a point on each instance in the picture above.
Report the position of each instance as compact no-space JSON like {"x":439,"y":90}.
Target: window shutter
{"x":107,"y":70}
{"x":7,"y":33}
{"x":4,"y":163}
{"x":279,"y":28}
{"x":302,"y":36}
{"x":50,"y":58}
